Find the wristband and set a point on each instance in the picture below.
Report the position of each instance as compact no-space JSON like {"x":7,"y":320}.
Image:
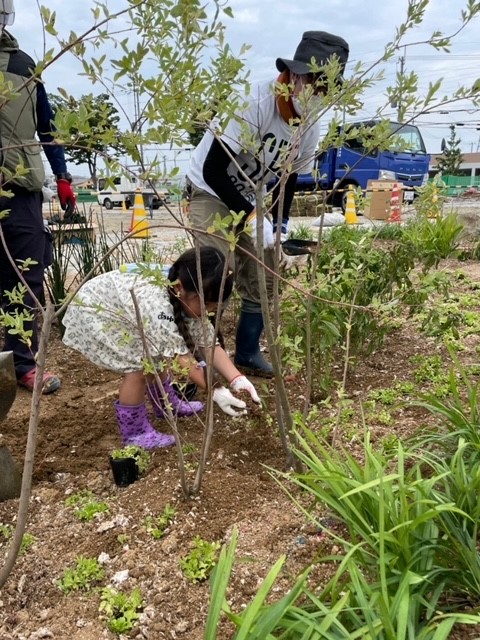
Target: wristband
{"x":240,"y":375}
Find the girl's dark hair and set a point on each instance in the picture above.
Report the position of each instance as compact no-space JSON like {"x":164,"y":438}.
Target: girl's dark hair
{"x":212,"y":265}
{"x":184,"y":269}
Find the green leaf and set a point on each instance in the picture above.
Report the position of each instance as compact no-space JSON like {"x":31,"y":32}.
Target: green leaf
{"x":218,"y":586}
{"x":251,"y":612}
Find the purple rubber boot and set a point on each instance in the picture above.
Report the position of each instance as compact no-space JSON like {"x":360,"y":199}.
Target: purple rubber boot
{"x":180,"y":408}
{"x":135,"y":427}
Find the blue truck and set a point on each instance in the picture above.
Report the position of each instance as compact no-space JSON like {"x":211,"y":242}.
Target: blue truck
{"x":353,"y":165}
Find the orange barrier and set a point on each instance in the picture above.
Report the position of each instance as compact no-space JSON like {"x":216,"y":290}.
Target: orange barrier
{"x":395,"y":205}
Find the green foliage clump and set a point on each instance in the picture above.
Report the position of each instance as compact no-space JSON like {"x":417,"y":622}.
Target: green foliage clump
{"x":85,"y":505}
{"x":120,"y":609}
{"x":197,"y":564}
{"x":87,"y":572}
{"x":6,"y":532}
{"x":351,"y":270}
{"x":433,"y":240}
{"x":139,"y":454}
{"x":301,"y":232}
{"x":156,"y":525}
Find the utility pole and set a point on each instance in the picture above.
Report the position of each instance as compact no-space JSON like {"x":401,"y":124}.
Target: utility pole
{"x":137,"y":115}
{"x":397,"y":104}
{"x":402,"y":71}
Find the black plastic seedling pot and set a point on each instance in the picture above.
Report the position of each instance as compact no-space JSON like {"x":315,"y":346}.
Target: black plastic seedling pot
{"x":125,"y":471}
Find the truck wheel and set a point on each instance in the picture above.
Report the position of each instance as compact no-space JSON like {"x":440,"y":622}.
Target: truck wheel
{"x":128,"y":204}
{"x":108,"y":204}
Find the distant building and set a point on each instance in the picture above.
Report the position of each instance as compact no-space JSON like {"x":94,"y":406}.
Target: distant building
{"x":469,"y":167}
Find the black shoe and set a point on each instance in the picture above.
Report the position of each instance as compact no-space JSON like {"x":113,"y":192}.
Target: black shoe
{"x":185,"y":391}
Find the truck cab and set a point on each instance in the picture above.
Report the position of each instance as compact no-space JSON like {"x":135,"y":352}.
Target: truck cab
{"x":406,"y":162}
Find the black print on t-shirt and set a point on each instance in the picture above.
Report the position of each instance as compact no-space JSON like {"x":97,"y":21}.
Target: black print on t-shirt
{"x":163,"y":316}
{"x":259,"y":170}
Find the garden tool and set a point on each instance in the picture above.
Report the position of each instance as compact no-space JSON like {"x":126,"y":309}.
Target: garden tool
{"x":8,"y":382}
{"x":294,"y":247}
{"x":10,"y":476}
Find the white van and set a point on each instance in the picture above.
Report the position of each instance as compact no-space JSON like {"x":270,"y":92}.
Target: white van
{"x":122,"y":191}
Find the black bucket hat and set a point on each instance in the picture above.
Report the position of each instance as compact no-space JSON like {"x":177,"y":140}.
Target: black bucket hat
{"x":315,"y":44}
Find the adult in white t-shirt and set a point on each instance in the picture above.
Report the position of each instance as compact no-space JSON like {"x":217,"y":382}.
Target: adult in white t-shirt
{"x":271,"y":129}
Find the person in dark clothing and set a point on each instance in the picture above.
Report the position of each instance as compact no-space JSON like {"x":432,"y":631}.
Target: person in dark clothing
{"x":24,"y":116}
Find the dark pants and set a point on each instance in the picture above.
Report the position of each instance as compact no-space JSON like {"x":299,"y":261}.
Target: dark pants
{"x":25,"y":237}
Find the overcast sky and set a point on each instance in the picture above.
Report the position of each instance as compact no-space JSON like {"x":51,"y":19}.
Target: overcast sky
{"x":273,"y":28}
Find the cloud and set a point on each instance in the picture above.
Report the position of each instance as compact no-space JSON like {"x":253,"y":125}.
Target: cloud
{"x":273,"y":28}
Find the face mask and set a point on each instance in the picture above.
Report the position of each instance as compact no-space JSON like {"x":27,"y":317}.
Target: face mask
{"x":306,"y":108}
{"x":298,"y":105}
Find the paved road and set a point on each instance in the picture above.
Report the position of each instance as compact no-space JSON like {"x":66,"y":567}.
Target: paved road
{"x":166,"y":226}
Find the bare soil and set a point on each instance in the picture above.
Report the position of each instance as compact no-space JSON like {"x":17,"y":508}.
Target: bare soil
{"x":76,"y":435}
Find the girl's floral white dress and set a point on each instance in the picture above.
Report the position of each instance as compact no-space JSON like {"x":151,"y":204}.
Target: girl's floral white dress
{"x":101,"y":323}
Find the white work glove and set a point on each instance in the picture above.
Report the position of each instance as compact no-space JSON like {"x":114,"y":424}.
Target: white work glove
{"x":241,"y":383}
{"x":268,"y":236}
{"x":287,"y":263}
{"x":228,"y":403}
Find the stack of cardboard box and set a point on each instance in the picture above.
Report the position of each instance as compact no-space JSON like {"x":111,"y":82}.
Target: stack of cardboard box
{"x":378,"y":199}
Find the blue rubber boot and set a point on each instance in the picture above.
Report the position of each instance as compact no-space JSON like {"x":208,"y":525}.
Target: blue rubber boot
{"x":248,"y":357}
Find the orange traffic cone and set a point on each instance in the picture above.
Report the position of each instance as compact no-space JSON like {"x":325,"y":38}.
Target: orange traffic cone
{"x":139,"y":224}
{"x":395,"y":205}
{"x":350,"y":210}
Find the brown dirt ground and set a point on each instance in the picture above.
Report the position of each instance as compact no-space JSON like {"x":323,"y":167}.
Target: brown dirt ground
{"x":76,"y":434}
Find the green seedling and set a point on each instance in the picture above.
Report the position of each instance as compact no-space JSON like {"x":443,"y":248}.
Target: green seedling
{"x":83,"y":576}
{"x":405,"y":388}
{"x":156,"y":525}
{"x":27,"y":541}
{"x":197,"y":564}
{"x":384,"y":396}
{"x":472,"y":370}
{"x":188,"y":448}
{"x":390,"y":444}
{"x":429,"y":369}
{"x":121,"y":609}
{"x":139,"y":454}
{"x":6,"y":532}
{"x":123,"y":538}
{"x":302,"y":232}
{"x":85,"y":505}
{"x":384,"y":417}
